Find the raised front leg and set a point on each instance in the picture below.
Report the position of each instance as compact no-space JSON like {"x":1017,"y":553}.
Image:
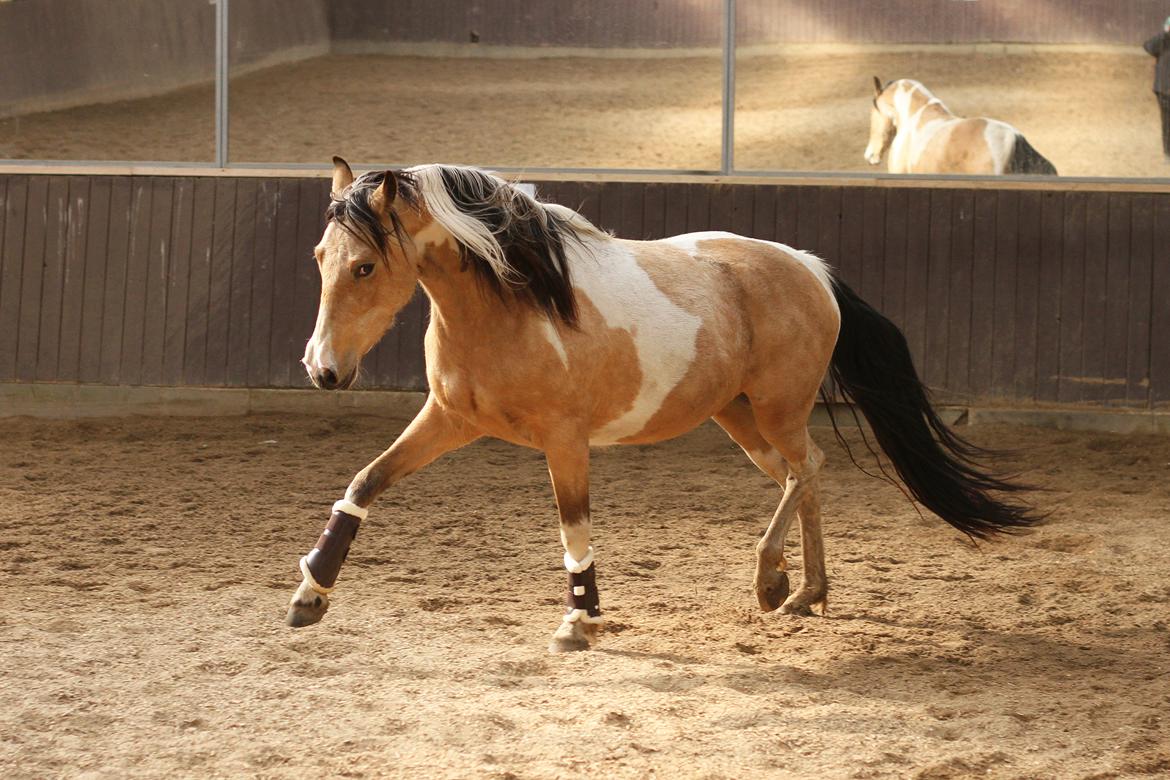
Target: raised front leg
{"x":431,"y":434}
{"x":568,"y":466}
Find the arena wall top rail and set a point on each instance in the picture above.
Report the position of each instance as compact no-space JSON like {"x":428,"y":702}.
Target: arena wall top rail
{"x":1007,"y":296}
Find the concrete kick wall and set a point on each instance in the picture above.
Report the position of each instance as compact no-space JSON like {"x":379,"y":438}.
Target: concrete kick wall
{"x":60,"y":53}
{"x":77,"y":401}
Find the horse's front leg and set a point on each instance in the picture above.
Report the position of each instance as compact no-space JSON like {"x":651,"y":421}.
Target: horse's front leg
{"x":432,"y":433}
{"x":568,"y":466}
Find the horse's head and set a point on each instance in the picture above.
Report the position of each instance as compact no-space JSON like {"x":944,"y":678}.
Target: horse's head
{"x":368,"y":272}
{"x":881,"y":122}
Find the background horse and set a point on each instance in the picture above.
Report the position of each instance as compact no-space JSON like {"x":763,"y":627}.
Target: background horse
{"x":923,"y":136}
{"x":550,"y":333}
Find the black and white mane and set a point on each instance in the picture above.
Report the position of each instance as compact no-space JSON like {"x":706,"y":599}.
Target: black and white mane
{"x":516,"y":245}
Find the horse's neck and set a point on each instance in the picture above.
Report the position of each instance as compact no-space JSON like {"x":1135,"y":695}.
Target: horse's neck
{"x":462,"y":306}
{"x":923,"y":108}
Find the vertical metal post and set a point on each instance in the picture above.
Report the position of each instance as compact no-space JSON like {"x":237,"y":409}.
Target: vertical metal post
{"x":728,"y":159}
{"x":221,"y":83}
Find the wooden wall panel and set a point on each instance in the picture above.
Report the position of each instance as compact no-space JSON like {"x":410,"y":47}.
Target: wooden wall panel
{"x":1016,"y":296}
{"x":12,"y":241}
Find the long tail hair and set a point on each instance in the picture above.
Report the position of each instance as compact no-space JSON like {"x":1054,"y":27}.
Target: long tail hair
{"x":1026,"y":160}
{"x":873,"y":370}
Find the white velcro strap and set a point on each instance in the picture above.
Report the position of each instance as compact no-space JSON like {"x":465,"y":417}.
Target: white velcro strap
{"x":578,"y":590}
{"x":580,"y":615}
{"x":308,"y":575}
{"x":576,"y":567}
{"x":350,"y":508}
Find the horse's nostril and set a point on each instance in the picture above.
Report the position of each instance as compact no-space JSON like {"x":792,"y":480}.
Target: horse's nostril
{"x":328,"y":377}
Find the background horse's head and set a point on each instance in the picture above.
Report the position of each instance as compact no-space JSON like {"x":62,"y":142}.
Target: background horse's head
{"x":882,"y":125}
{"x":368,"y":271}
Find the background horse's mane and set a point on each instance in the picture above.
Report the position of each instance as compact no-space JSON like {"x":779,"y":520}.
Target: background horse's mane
{"x":515,"y":245}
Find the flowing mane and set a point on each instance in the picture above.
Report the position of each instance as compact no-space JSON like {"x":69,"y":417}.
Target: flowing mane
{"x":515,"y":244}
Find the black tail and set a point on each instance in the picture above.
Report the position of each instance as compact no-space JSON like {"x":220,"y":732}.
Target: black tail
{"x":1026,"y":160}
{"x":873,"y":370}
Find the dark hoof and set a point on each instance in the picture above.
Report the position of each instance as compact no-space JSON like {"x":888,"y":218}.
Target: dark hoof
{"x":300,"y":615}
{"x":771,"y":594}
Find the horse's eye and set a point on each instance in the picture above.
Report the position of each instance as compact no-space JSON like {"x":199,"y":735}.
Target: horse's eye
{"x":365,"y":269}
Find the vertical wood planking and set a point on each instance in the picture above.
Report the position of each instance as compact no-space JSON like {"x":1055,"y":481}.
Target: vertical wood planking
{"x":157,"y":281}
{"x":199,"y":282}
{"x":240,"y":315}
{"x":852,"y":235}
{"x":894,"y":269}
{"x":262,"y":271}
{"x":219,"y":290}
{"x":283,"y":347}
{"x":1072,"y":298}
{"x":97,"y":229}
{"x":675,"y":220}
{"x":68,"y":366}
{"x":48,"y":336}
{"x":1093,"y":377}
{"x":720,"y":208}
{"x":1003,"y":307}
{"x":178,"y":281}
{"x":787,"y":213}
{"x":982,"y":294}
{"x":137,"y":269}
{"x":1049,"y":296}
{"x":698,"y":209}
{"x":917,"y":274}
{"x":743,"y":210}
{"x":654,"y":211}
{"x":1160,"y":312}
{"x":12,"y":242}
{"x":114,"y":290}
{"x":630,"y":196}
{"x":1027,"y":337}
{"x":313,"y":197}
{"x":938,"y":279}
{"x":960,"y":274}
{"x":609,"y":201}
{"x":807,"y":218}
{"x":1140,"y":300}
{"x":764,"y":213}
{"x":873,"y":246}
{"x":828,"y":241}
{"x":32,"y":276}
{"x":1118,"y":257}
{"x":411,"y":369}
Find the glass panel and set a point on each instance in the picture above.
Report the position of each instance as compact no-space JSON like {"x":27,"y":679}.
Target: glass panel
{"x":557,"y":83}
{"x":107,"y":80}
{"x":1072,"y":78}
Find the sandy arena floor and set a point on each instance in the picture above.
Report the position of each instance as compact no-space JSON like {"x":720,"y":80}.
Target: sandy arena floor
{"x":147,"y":564}
{"x":1091,"y":113}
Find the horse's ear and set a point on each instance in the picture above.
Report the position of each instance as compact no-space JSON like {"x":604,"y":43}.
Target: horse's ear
{"x":877,"y":86}
{"x":382,"y":198}
{"x":342,"y":175}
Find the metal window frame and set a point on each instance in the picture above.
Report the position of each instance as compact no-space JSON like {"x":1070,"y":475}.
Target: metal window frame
{"x":223,"y":165}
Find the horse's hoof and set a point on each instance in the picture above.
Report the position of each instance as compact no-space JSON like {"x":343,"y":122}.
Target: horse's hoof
{"x":772,"y":592}
{"x":307,"y":607}
{"x":803,"y":601}
{"x":573,"y":637}
{"x":300,"y":615}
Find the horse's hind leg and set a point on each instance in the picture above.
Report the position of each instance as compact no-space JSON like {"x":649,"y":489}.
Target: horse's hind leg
{"x":787,"y":454}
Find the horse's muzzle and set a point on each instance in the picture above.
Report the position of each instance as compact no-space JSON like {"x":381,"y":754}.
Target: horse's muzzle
{"x":327,"y":379}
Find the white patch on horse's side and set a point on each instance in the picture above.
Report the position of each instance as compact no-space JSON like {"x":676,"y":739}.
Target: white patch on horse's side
{"x":689,"y":243}
{"x":1000,"y":138}
{"x":550,"y":333}
{"x":664,"y":334}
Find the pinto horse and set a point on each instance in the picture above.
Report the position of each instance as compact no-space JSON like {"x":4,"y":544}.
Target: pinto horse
{"x":923,"y":136}
{"x":550,"y":333}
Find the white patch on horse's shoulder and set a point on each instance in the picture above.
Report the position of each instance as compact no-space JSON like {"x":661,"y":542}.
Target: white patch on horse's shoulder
{"x":664,"y":334}
{"x":1000,"y":138}
{"x":689,"y":242}
{"x":550,"y":333}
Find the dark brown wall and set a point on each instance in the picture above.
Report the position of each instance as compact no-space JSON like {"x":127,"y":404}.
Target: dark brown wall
{"x":1008,"y":295}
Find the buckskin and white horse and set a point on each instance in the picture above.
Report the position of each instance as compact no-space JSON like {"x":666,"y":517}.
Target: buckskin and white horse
{"x":923,"y":136}
{"x":552,"y":334}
